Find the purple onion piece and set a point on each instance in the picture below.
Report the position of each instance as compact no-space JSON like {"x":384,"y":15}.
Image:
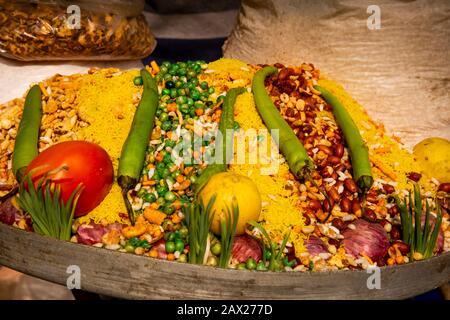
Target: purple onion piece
{"x":315,"y":246}
{"x":368,"y":238}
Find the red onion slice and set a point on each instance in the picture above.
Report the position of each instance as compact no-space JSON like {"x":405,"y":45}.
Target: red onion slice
{"x":245,"y":247}
{"x":367,"y":238}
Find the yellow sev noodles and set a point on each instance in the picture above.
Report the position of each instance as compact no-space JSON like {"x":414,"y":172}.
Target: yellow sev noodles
{"x":106,"y":102}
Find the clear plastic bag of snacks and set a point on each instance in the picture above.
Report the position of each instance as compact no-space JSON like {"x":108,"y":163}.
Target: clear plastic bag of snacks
{"x":74,"y":30}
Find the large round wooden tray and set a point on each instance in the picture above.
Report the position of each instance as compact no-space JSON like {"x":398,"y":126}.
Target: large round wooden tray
{"x":130,"y":276}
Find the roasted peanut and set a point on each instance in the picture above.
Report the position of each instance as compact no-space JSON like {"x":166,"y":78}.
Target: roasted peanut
{"x":350,"y":185}
{"x":338,"y":224}
{"x":334,"y":160}
{"x":339,"y":150}
{"x":370,"y":215}
{"x":388,"y":189}
{"x":325,"y":149}
{"x":356,"y":207}
{"x":314,"y":205}
{"x":414,"y":176}
{"x":402,"y":247}
{"x":372,"y":198}
{"x":395,"y":233}
{"x":445,"y":187}
{"x":346,"y":205}
{"x":333,"y":194}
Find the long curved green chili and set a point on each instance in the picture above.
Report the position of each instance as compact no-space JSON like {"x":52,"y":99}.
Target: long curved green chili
{"x":26,"y":145}
{"x":295,"y":153}
{"x":359,"y":153}
{"x":132,"y":156}
{"x":226,"y":122}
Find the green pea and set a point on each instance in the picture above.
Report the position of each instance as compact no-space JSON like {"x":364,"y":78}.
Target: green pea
{"x":204,"y":96}
{"x":191,"y":74}
{"x":181,"y":99}
{"x":165,"y":98}
{"x":193,"y":179}
{"x":190,"y":101}
{"x":166,"y":64}
{"x":170,"y":143}
{"x":182,"y":72}
{"x":160,"y":166}
{"x":167,"y":159}
{"x":195,"y":94}
{"x":178,"y":84}
{"x":173,"y":93}
{"x":182,"y":258}
{"x":167,"y":78}
{"x":211,"y":90}
{"x":173,"y":71}
{"x":216,"y":249}
{"x":138,"y":81}
{"x":165,"y":173}
{"x":167,"y":224}
{"x":261,"y":266}
{"x":149,"y":197}
{"x":220,"y":98}
{"x":251,"y":264}
{"x":168,"y":210}
{"x":204,"y":85}
{"x":161,"y":190}
{"x":179,"y":245}
{"x":199,"y":104}
{"x":166,"y":125}
{"x":171,"y":236}
{"x":182,"y":92}
{"x":184,"y":232}
{"x":163,"y":116}
{"x":163,"y":69}
{"x":184,"y":108}
{"x":268,"y":254}
{"x":129,"y":248}
{"x":170,"y":196}
{"x":160,"y":200}
{"x":156,"y":176}
{"x":170,"y":247}
{"x":141,"y":193}
{"x":194,"y":81}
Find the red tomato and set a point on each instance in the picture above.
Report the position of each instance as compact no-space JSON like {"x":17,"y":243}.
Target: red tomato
{"x":85,"y":163}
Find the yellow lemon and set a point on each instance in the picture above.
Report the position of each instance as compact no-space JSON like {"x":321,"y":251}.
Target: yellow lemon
{"x":433,"y":154}
{"x":227,"y":186}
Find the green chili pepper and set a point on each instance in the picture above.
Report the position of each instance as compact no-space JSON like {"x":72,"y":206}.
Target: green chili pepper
{"x":359,"y":153}
{"x":226,"y":122}
{"x":26,"y":145}
{"x":295,"y":153}
{"x":132,"y":157}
